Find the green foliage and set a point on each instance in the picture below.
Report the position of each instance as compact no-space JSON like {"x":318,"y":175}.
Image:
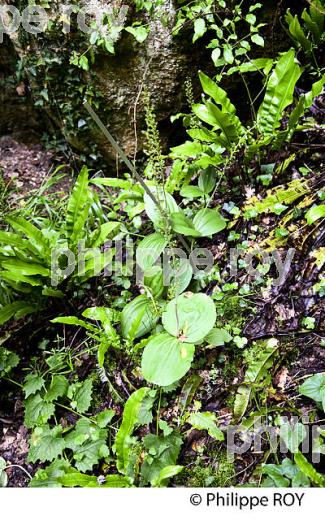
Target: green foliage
{"x":226,"y":132}
{"x":283,"y":475}
{"x":165,"y":359}
{"x":314,"y":388}
{"x":308,"y":32}
{"x":137,"y":411}
{"x":256,"y":373}
{"x":222,"y":24}
{"x":206,"y":421}
{"x":33,"y":259}
{"x":8,"y":361}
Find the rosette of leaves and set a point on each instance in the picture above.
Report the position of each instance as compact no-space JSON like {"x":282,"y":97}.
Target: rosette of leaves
{"x":187,"y":320}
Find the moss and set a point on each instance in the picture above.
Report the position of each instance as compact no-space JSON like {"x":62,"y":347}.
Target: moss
{"x":216,"y":472}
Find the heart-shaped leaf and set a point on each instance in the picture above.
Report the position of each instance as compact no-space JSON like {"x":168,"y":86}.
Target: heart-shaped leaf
{"x":190,"y":317}
{"x":165,"y":360}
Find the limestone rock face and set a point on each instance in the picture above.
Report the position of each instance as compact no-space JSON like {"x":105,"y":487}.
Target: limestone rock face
{"x":162,"y":63}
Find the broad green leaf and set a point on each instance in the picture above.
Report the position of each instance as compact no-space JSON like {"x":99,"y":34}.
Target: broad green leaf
{"x":206,"y":421}
{"x":112,"y":182}
{"x":78,"y":207}
{"x":292,"y":435}
{"x":256,"y":38}
{"x":160,"y":462}
{"x":200,"y":28}
{"x":208,"y":222}
{"x":191,"y":192}
{"x":189,"y":148}
{"x":165,"y":474}
{"x":75,"y":479}
{"x":72,"y":320}
{"x":106,"y":230}
{"x":314,"y":388}
{"x":207,"y":180}
{"x":255,"y":373}
{"x":17,"y":310}
{"x":8,"y":360}
{"x":167,"y":204}
{"x":217,"y":94}
{"x":276,"y":474}
{"x":138,"y":317}
{"x":149,"y":250}
{"x":297,"y":32}
{"x":140,"y":32}
{"x":165,"y":360}
{"x":183,"y":225}
{"x":190,"y":317}
{"x":58,"y":388}
{"x":25,"y":268}
{"x":49,"y":477}
{"x":13,"y":240}
{"x":39,"y":244}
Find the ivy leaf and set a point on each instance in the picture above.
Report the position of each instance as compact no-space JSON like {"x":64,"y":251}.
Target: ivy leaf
{"x":33,"y":383}
{"x":80,"y":395}
{"x":206,"y":421}
{"x":46,"y":444}
{"x":37,"y":411}
{"x":140,"y":33}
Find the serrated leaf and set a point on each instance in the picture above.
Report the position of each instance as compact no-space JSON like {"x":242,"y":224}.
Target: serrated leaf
{"x":33,"y":383}
{"x":88,"y":444}
{"x":80,"y":395}
{"x":37,"y":411}
{"x":46,"y":444}
{"x":58,"y":388}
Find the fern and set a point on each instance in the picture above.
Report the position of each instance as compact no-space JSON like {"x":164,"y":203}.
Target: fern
{"x":279,"y":94}
{"x":78,"y":208}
